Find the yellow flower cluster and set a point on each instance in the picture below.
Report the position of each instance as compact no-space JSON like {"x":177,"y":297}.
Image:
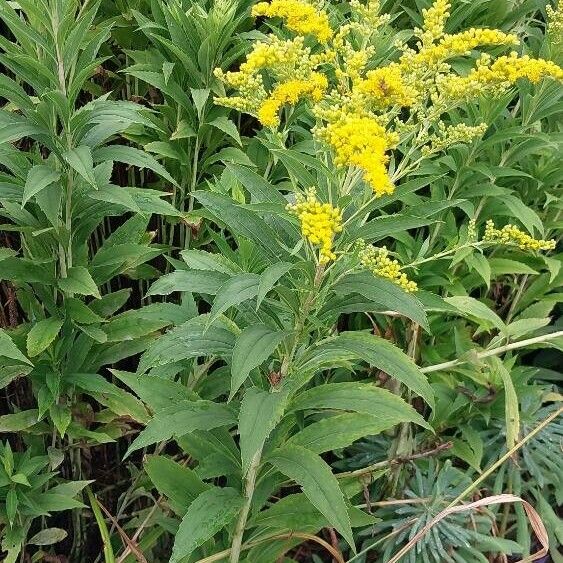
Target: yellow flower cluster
{"x":457,"y":45}
{"x":512,"y":235}
{"x":386,"y":86}
{"x":496,"y":77}
{"x":288,"y":60}
{"x":299,"y":16}
{"x":434,"y":20}
{"x":452,"y":135}
{"x":378,"y":262}
{"x":319,"y":223}
{"x":289,"y":93}
{"x":362,"y":142}
{"x":359,"y":108}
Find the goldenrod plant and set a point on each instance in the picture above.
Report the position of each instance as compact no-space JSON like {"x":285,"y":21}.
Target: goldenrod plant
{"x":280,"y":281}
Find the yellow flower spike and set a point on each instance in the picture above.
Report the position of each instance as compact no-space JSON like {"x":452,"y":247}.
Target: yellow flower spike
{"x":377,"y":261}
{"x":289,"y":93}
{"x":494,"y":78}
{"x":320,"y":222}
{"x":512,"y":235}
{"x":361,"y":142}
{"x":386,"y":87}
{"x":299,"y":16}
{"x":434,"y":20}
{"x":455,"y":45}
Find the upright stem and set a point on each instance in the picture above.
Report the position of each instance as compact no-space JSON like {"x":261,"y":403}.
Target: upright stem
{"x":249,"y":485}
{"x":252,"y":473}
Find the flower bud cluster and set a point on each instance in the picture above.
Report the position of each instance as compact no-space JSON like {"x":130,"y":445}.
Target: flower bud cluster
{"x":512,"y":235}
{"x":299,"y":16}
{"x":289,"y":93}
{"x":494,"y":78}
{"x":361,"y":142}
{"x":377,"y":261}
{"x":453,"y":135}
{"x":320,"y":222}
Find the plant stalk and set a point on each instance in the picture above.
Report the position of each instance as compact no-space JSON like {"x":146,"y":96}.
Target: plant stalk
{"x":250,"y":483}
{"x":494,"y":351}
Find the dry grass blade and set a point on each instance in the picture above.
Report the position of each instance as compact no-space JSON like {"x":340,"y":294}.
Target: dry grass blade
{"x":131,"y":545}
{"x":533,"y":516}
{"x":301,"y":535}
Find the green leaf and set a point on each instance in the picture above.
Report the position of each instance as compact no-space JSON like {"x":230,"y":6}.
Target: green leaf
{"x":202,"y":260}
{"x":195,"y":281}
{"x":500,"y":266}
{"x":268,"y":279}
{"x":229,"y":154}
{"x":470,"y":307}
{"x":384,"y":294}
{"x":255,"y":345}
{"x":200,"y":96}
{"x":182,"y":418}
{"x":80,"y":159}
{"x":260,"y":412}
{"x":178,"y":483}
{"x":158,"y":393}
{"x":528,"y":217}
{"x":6,"y":253}
{"x":9,"y":350}
{"x":49,"y":536}
{"x":318,"y":483}
{"x":78,"y":280}
{"x":61,"y":417}
{"x":210,"y":512}
{"x":189,"y":340}
{"x":18,"y":421}
{"x":511,"y":409}
{"x":481,"y":265}
{"x":11,"y":505}
{"x":383,"y":355}
{"x":340,"y":431}
{"x":241,"y":221}
{"x":357,"y":397}
{"x":42,"y":335}
{"x":183,"y":131}
{"x":38,"y":178}
{"x":233,"y":292}
{"x":80,"y":312}
{"x":133,"y":157}
{"x":227,"y":126}
{"x":295,"y":512}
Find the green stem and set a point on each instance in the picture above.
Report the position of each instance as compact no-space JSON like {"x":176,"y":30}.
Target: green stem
{"x":493,"y":352}
{"x":250,"y":484}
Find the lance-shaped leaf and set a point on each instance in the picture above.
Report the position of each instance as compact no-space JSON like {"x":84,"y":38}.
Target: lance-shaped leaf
{"x":234,"y":291}
{"x":318,"y":483}
{"x":335,"y":432}
{"x":357,"y":397}
{"x":78,"y":280}
{"x":182,"y":418}
{"x":42,"y":334}
{"x":80,"y":159}
{"x":9,"y":350}
{"x":38,"y":178}
{"x":207,"y":514}
{"x":384,"y":294}
{"x":379,"y":353}
{"x":189,"y":340}
{"x":134,"y":157}
{"x":254,"y":346}
{"x":260,"y":411}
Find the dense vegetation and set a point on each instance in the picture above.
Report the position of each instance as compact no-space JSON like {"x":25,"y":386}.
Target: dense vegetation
{"x":279,"y":281}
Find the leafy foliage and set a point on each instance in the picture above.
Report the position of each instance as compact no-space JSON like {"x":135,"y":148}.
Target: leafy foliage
{"x":260,"y":343}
